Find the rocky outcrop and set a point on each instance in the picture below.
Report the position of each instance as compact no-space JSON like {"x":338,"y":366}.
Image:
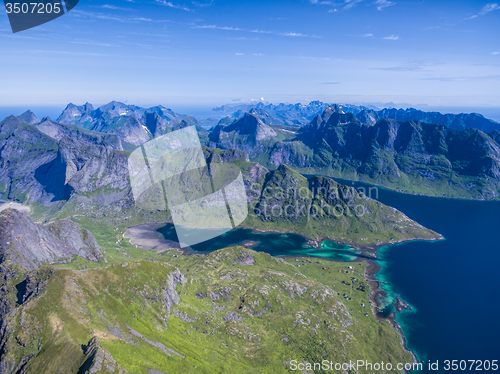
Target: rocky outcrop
{"x":170,"y":294}
{"x":99,"y":360}
{"x":294,"y":203}
{"x":248,"y":134}
{"x":28,"y":244}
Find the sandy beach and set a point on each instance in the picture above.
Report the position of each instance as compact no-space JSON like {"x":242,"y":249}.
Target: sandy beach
{"x":22,"y":208}
{"x":146,"y":237}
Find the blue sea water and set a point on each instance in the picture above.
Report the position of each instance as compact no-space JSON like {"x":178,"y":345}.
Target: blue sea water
{"x":452,"y":285}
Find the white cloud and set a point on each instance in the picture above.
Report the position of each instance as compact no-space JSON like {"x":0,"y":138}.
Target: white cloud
{"x":298,"y":34}
{"x":217,"y":27}
{"x":112,"y":7}
{"x":351,"y":3}
{"x":495,"y":53}
{"x":256,"y":31}
{"x":381,"y":4}
{"x":464,"y":79}
{"x":344,"y":4}
{"x":238,"y":54}
{"x":490,"y":7}
{"x":203,"y":4}
{"x":174,"y":6}
{"x":391,"y":37}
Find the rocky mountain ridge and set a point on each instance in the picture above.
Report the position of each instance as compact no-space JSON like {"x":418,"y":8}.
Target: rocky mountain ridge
{"x":28,"y":244}
{"x":133,"y":124}
{"x":460,"y":121}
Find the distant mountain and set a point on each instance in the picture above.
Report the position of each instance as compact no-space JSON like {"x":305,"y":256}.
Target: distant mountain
{"x":248,"y":134}
{"x":133,"y":124}
{"x":284,"y":114}
{"x":410,"y":156}
{"x":456,"y":121}
{"x":405,"y":155}
{"x":29,"y":117}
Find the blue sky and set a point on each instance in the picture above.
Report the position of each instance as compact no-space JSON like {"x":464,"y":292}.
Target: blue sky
{"x":211,"y":52}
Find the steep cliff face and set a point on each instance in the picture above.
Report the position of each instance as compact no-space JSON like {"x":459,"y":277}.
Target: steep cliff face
{"x":27,"y":244}
{"x":49,"y":162}
{"x":24,"y":150}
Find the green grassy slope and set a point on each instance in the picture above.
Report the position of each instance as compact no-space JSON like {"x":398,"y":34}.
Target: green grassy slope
{"x":234,"y":310}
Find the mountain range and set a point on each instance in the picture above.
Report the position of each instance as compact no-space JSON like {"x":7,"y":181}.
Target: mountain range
{"x":299,"y":115}
{"x":134,"y":125}
{"x":45,"y":161}
{"x":283,"y":114}
{"x":410,"y":156}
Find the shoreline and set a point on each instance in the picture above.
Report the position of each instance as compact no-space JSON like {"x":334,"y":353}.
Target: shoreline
{"x":159,"y":243}
{"x":372,"y":247}
{"x":371,"y":270}
{"x":146,"y":237}
{"x":346,"y":182}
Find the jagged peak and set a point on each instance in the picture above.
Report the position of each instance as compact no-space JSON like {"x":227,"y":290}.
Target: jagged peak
{"x":29,"y":117}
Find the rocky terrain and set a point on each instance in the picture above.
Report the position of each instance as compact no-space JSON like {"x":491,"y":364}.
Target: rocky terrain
{"x":234,"y":310}
{"x":65,"y":309}
{"x":28,"y":244}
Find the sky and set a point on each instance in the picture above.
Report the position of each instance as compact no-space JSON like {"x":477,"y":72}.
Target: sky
{"x":212,"y":52}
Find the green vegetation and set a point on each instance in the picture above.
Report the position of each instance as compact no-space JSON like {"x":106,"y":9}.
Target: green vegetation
{"x":320,"y":207}
{"x":234,"y":310}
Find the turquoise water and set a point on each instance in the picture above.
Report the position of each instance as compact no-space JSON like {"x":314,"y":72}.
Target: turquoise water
{"x":272,"y":243}
{"x":451,"y":285}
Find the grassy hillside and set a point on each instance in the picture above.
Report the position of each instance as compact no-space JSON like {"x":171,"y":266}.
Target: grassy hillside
{"x":234,"y":310}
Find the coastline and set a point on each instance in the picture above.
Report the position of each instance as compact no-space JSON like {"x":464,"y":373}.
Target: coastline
{"x":362,"y":247}
{"x":146,"y":237}
{"x":346,"y":182}
{"x":138,"y":236}
{"x":376,"y":291}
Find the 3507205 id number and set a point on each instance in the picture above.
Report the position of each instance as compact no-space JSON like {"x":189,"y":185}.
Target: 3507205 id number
{"x":476,"y":365}
{"x":34,"y":8}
